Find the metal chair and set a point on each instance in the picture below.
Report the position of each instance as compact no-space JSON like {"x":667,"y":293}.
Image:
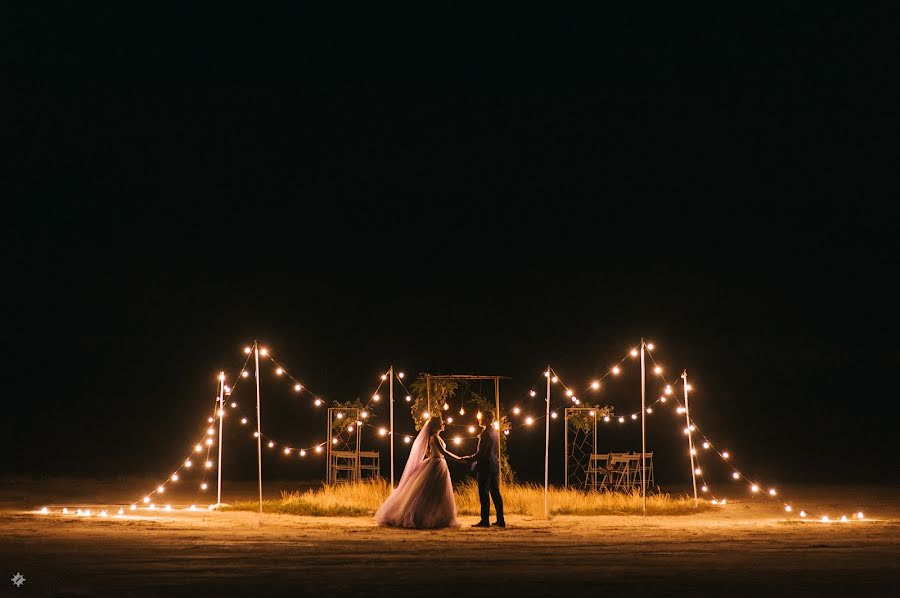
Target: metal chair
{"x":343,"y":467}
{"x":369,"y":464}
{"x":597,"y":466}
{"x":617,"y":475}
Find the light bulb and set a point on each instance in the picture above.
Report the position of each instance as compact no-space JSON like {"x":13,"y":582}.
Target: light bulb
{"x":662,"y":399}
{"x":595,"y":384}
{"x":210,"y":420}
{"x":318,"y":449}
{"x":803,"y":513}
{"x":547,"y":374}
{"x":516,"y":410}
{"x":209,"y":442}
{"x":532,"y":393}
{"x":247,"y":350}
{"x":506,"y":432}
{"x":263,"y":352}
{"x":302,"y":453}
{"x":621,"y":420}
{"x":168,"y":507}
{"x":209,"y":464}
{"x":754,"y":488}
{"x":334,"y":441}
{"x":193,"y":507}
{"x":457,"y":440}
{"x":634,"y":416}
{"x":44,"y":510}
{"x":569,"y":392}
{"x":427,"y":415}
{"x":384,"y":376}
{"x":693,"y":451}
{"x":243,"y":420}
{"x":843,"y":518}
{"x":376,"y":398}
{"x":725,"y":455}
{"x":408,"y":398}
{"x":204,"y":486}
{"x":634,"y":353}
{"x":697,"y":471}
{"x":298,"y":387}
{"x":271,"y":444}
{"x":772,"y":492}
{"x":496,"y":425}
{"x":554,"y":415}
{"x":222,"y":376}
{"x":859,"y":515}
{"x":133,"y":507}
{"x":825,"y":518}
{"x":174,"y":477}
{"x":736,"y":475}
{"x":382,"y":431}
{"x":160,"y":489}
{"x":317,"y":402}
{"x":349,"y":428}
{"x":146,"y":499}
{"x":478,"y":415}
{"x":657,"y":370}
{"x":679,"y":410}
{"x":616,"y":370}
{"x":245,"y":374}
{"x":364,"y":414}
{"x":471,"y":429}
{"x":450,"y":420}
{"x":529,"y":421}
{"x":606,"y":418}
{"x":188,"y":463}
{"x":401,"y":375}
{"x":704,"y":489}
{"x":198,"y":448}
{"x":233,"y":404}
{"x":592,"y":413}
{"x":651,"y":346}
{"x":406,"y":439}
{"x":446,"y":407}
{"x":287,"y":451}
{"x":706,"y":445}
{"x":256,"y":434}
{"x":279,"y":371}
{"x":788,"y":508}
{"x":668,"y":389}
{"x":554,"y":379}
{"x":649,"y":409}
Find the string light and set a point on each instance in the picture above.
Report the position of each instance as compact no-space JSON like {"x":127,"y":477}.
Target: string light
{"x":697,"y":471}
{"x":256,"y":434}
{"x":318,"y":449}
{"x":803,"y":513}
{"x":606,"y":418}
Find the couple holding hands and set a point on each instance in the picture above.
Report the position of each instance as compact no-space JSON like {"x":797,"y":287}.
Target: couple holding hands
{"x":424,"y":497}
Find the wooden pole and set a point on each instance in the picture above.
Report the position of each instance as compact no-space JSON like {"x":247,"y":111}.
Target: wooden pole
{"x":687,"y":423}
{"x":566,"y":418}
{"x":498,"y":419}
{"x":643,"y":432}
{"x":392,"y":424}
{"x":547,"y":453}
{"x":258,"y":430}
{"x":221,"y":414}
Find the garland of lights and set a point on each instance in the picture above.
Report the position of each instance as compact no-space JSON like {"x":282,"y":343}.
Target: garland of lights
{"x":615,"y":370}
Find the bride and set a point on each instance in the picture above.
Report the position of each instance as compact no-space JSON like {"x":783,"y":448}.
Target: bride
{"x":424,"y":496}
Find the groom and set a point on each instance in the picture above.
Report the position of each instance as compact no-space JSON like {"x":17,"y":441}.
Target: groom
{"x":487,"y":465}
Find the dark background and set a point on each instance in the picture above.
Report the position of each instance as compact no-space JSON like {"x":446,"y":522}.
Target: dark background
{"x":483,"y":193}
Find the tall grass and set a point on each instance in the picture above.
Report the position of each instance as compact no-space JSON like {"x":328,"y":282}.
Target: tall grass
{"x":364,"y":498}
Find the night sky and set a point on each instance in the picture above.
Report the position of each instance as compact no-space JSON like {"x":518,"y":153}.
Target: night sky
{"x":454,"y":194}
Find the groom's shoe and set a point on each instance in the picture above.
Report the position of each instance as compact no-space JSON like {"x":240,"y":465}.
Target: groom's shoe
{"x":482,"y":524}
{"x":499,"y":524}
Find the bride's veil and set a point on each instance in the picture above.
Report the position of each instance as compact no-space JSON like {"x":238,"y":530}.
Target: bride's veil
{"x":417,"y":453}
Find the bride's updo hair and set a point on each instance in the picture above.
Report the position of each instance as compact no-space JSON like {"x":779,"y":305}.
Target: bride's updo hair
{"x":434,"y":425}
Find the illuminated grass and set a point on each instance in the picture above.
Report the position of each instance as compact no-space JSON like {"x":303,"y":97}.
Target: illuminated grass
{"x":364,"y":498}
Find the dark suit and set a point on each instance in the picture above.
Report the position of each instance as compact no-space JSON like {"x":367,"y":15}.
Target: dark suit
{"x":487,"y":465}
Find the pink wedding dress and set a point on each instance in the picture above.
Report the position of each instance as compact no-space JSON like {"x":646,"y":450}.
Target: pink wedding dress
{"x":424,"y":497}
